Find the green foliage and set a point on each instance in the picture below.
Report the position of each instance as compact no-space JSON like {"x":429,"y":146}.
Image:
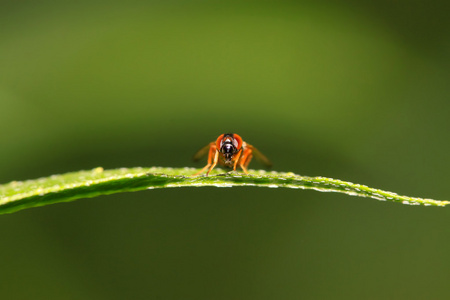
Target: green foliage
{"x":15,"y":196}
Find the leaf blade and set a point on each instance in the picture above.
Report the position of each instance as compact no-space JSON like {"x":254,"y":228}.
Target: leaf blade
{"x":15,"y":196}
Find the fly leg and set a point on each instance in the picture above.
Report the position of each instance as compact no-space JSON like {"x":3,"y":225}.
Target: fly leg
{"x":216,"y":158}
{"x":211,"y":164}
{"x":245,"y":160}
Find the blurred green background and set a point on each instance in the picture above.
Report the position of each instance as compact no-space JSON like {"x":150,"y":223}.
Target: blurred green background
{"x":356,"y":91}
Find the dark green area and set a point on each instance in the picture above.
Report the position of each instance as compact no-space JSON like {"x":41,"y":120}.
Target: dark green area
{"x":356,"y":91}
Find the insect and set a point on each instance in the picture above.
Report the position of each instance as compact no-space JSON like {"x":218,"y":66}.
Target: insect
{"x":230,"y":151}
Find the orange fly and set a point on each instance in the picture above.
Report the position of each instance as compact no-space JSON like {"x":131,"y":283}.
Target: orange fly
{"x":230,"y":151}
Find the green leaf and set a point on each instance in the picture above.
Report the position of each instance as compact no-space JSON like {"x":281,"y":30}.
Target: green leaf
{"x":17,"y":195}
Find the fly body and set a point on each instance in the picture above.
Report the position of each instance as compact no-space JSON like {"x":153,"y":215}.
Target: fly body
{"x":230,"y":151}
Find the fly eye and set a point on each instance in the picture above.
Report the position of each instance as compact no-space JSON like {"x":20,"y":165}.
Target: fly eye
{"x":235,"y":143}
